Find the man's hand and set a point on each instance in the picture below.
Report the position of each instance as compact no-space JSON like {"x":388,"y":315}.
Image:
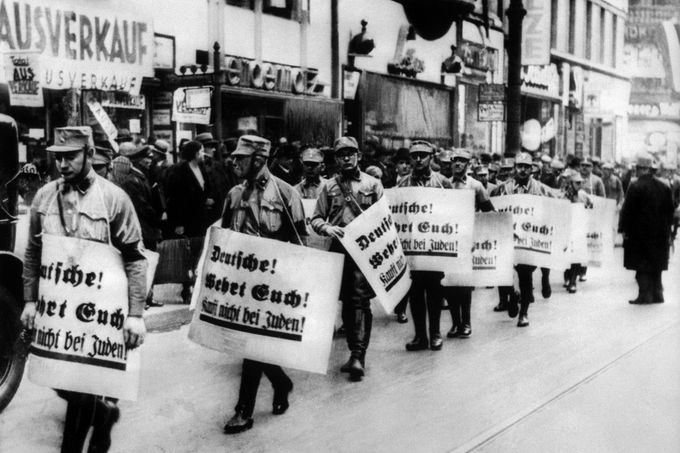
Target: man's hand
{"x":334,"y":232}
{"x":209,"y":202}
{"x":134,"y":331}
{"x":28,"y":316}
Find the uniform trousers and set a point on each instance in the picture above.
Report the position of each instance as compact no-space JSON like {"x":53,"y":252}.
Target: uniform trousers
{"x":85,"y":410}
{"x":459,"y":299}
{"x":251,"y":373}
{"x":426,"y":295}
{"x":526,"y":286}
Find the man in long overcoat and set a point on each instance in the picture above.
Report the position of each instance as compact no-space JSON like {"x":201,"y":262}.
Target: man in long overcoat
{"x":645,"y":222}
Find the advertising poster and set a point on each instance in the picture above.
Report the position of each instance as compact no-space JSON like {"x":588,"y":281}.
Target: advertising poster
{"x":22,"y":70}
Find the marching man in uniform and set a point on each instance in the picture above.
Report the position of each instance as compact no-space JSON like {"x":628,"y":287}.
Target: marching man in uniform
{"x":83,"y":205}
{"x":266,"y":206}
{"x":342,"y":199}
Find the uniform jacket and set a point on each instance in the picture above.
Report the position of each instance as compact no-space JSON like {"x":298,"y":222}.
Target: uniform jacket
{"x":269,"y":207}
{"x":593,"y":185}
{"x":333,"y":209}
{"x":311,"y":189}
{"x":613,"y":188}
{"x":482,"y":202}
{"x":532,"y":187}
{"x":88,"y":218}
{"x":428,"y":179}
{"x":645,"y":221}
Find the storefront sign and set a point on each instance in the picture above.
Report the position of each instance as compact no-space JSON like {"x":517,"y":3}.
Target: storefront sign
{"x":21,"y":71}
{"x":541,"y":80}
{"x":477,"y":56}
{"x":491,"y":111}
{"x":266,"y":300}
{"x":350,"y":83}
{"x":197,"y":98}
{"x":81,"y":45}
{"x":435,"y":226}
{"x":104,"y":121}
{"x":248,"y":73}
{"x":247,"y":123}
{"x":78,"y":341}
{"x":123,"y":101}
{"x":491,"y":92}
{"x":161,"y":117}
{"x":536,"y":33}
{"x":371,"y":240}
{"x":665,"y":109}
{"x":184,"y":114}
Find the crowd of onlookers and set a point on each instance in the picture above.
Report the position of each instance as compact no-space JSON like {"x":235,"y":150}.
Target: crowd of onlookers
{"x":179,"y":193}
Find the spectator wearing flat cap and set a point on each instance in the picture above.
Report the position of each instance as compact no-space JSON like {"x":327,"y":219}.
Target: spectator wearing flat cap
{"x":402,"y":160}
{"x":266,"y":206}
{"x":521,"y":183}
{"x":425,"y":295}
{"x":312,"y":167}
{"x":343,"y":198}
{"x":646,"y":220}
{"x":101,"y":161}
{"x":220,"y":178}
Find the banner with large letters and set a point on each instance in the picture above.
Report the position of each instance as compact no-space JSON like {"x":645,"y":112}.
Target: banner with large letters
{"x":435,"y":226}
{"x":78,"y":342}
{"x":267,"y":300}
{"x":372,"y":241}
{"x":601,"y":227}
{"x":541,"y":227}
{"x":492,"y":253}
{"x":81,"y":45}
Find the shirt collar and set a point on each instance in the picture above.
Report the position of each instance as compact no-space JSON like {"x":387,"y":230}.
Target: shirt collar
{"x":421,"y":176}
{"x":261,"y":179}
{"x":355,"y":175}
{"x":81,"y":186}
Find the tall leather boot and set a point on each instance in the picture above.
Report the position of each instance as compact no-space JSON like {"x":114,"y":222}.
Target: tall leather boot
{"x":657,"y":288}
{"x":573,"y":275}
{"x":523,"y":319}
{"x":106,"y":414}
{"x":79,"y":416}
{"x":466,"y":329}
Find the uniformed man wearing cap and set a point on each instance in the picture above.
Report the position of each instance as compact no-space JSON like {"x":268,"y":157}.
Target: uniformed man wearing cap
{"x":573,"y":192}
{"x":521,"y":183}
{"x":266,"y":206}
{"x":493,"y":173}
{"x":445,"y":163}
{"x":547,"y":175}
{"x":82,"y":204}
{"x":460,"y":297}
{"x":613,"y":187}
{"x":645,"y":222}
{"x":425,"y":282}
{"x":312,"y":166}
{"x":482,"y":175}
{"x":505,"y":170}
{"x":343,"y":198}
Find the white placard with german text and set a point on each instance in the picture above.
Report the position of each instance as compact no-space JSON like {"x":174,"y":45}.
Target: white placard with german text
{"x":578,"y":247}
{"x":601,"y":221}
{"x":267,"y":300}
{"x":435,"y":226}
{"x":372,"y":241}
{"x":541,"y":227}
{"x":78,"y":340}
{"x":492,"y":253}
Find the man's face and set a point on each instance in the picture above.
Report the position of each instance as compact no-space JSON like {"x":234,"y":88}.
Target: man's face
{"x":522,"y":171}
{"x":347,"y":159}
{"x":607,"y":172}
{"x":460,"y":165}
{"x":286,"y":162}
{"x":403,"y":167}
{"x":242,"y":165}
{"x":482,"y":177}
{"x":586,"y":168}
{"x":503,"y":174}
{"x":70,"y":164}
{"x":576,"y":185}
{"x":143,"y":162}
{"x":311,"y":170}
{"x":420,"y":161}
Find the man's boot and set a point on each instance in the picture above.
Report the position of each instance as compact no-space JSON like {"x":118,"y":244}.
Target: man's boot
{"x":356,"y":369}
{"x":503,"y":294}
{"x":657,"y":288}
{"x":456,"y":322}
{"x":105,"y":416}
{"x":79,"y":416}
{"x":512,"y":303}
{"x":466,"y":329}
{"x":546,"y":290}
{"x":523,"y":320}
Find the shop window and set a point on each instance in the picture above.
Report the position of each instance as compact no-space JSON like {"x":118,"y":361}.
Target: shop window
{"x":124,"y":111}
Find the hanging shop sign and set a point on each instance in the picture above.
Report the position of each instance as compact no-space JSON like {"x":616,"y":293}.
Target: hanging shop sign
{"x":247,"y":73}
{"x":123,"y":100}
{"x":104,"y":121}
{"x":182,"y":113}
{"x":81,"y":45}
{"x":541,"y":80}
{"x":661,"y":109}
{"x":477,"y":56}
{"x":21,"y":72}
{"x":536,"y":33}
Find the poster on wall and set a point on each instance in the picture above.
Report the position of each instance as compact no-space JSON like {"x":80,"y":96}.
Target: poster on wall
{"x":21,"y":71}
{"x":182,"y":112}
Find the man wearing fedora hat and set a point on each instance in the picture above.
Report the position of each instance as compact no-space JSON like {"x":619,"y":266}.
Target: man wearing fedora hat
{"x":645,"y":222}
{"x":82,"y":204}
{"x":266,"y":206}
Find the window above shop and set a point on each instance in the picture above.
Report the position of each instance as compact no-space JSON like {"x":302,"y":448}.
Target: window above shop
{"x":288,"y":9}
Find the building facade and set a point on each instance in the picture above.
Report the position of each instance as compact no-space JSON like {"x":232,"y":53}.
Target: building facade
{"x":652,"y":54}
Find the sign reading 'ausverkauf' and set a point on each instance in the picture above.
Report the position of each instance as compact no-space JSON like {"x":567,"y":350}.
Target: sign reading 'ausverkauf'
{"x":81,"y":45}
